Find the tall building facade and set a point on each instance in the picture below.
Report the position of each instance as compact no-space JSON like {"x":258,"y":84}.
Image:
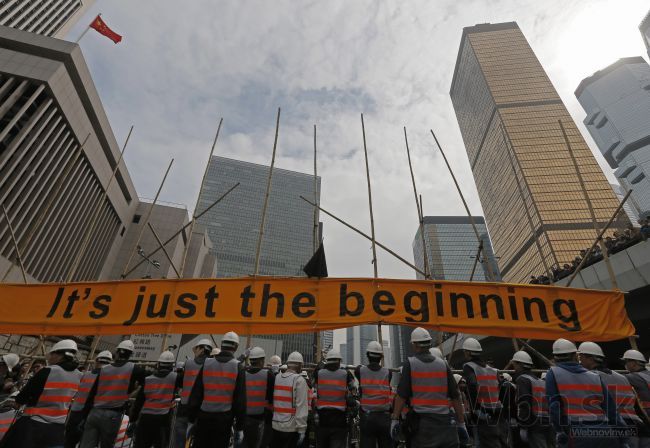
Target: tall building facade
{"x":52,"y":18}
{"x":617,"y":102}
{"x":49,"y":184}
{"x":508,"y":113}
{"x":631,"y":210}
{"x":644,"y":27}
{"x":357,"y":339}
{"x":233,"y":225}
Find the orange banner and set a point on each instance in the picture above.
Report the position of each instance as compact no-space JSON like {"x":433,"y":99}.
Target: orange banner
{"x":268,"y":305}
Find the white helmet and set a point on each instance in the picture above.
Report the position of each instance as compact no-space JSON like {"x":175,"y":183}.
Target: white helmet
{"x":283,"y":368}
{"x":333,"y":355}
{"x":167,"y":357}
{"x":295,"y":358}
{"x":591,"y":348}
{"x":207,"y":342}
{"x":127,"y":345}
{"x":275,"y":360}
{"x":420,"y":335}
{"x":507,"y":376}
{"x":67,"y":346}
{"x":215,"y":351}
{"x":257,"y":353}
{"x":522,"y":357}
{"x":542,"y":376}
{"x":472,"y":345}
{"x":105,"y":356}
{"x":634,"y":355}
{"x":457,"y":377}
{"x":375,"y":347}
{"x":11,"y":359}
{"x":563,"y":347}
{"x":304,"y":374}
{"x":231,"y":338}
{"x":435,"y":351}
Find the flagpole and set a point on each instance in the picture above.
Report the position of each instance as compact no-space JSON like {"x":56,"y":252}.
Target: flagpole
{"x":82,"y":35}
{"x":317,"y":341}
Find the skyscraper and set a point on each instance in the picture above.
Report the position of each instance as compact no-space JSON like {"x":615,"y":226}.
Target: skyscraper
{"x":233,"y":225}
{"x":52,"y":18}
{"x":617,"y":102}
{"x":644,"y":27}
{"x":48,"y":184}
{"x":357,"y":339}
{"x":508,"y":113}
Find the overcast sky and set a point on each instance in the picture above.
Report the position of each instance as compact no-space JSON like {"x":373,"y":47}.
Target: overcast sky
{"x":182,"y":65}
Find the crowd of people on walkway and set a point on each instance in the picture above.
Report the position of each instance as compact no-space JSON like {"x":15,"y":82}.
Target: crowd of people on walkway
{"x":620,"y":240}
{"x":216,"y":400}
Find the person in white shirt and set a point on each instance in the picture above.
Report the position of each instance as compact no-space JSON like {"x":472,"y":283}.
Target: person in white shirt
{"x":290,"y":405}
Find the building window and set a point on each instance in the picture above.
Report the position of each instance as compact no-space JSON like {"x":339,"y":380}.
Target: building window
{"x":122,"y":231}
{"x":136,"y":218}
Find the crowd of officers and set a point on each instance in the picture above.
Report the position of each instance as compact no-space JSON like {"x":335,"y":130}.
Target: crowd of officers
{"x":217,"y":400}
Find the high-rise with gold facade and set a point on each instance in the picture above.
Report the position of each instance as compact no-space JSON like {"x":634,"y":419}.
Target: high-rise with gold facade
{"x":508,"y":112}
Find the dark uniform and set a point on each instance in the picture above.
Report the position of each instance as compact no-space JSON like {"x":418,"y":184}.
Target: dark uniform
{"x":532,"y":411}
{"x":217,"y":400}
{"x":640,"y":381}
{"x":374,"y":387}
{"x":428,"y":385}
{"x":332,"y":384}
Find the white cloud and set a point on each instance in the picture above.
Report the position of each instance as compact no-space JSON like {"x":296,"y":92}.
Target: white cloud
{"x":182,"y":65}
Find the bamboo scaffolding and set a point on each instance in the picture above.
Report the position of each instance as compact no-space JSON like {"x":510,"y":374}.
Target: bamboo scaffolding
{"x":178,"y":232}
{"x":95,"y":215}
{"x":205,"y":173}
{"x":162,"y":246}
{"x":146,"y":219}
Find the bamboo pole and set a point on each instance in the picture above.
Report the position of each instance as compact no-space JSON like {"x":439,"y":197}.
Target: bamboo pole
{"x":418,"y":206}
{"x":146,"y":219}
{"x":524,"y":202}
{"x":162,"y":246}
{"x":317,"y":341}
{"x":95,"y":215}
{"x":205,"y":173}
{"x":598,"y":238}
{"x":258,"y":250}
{"x":610,"y":270}
{"x":372,"y":220}
{"x":19,"y":258}
{"x":415,"y":268}
{"x":48,"y":206}
{"x":178,"y":232}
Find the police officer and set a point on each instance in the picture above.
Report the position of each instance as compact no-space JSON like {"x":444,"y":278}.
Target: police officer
{"x":374,"y":386}
{"x":150,"y":418}
{"x":532,"y":406}
{"x":483,"y":390}
{"x":218,"y":398}
{"x":259,"y":396}
{"x":332,"y":385}
{"x":47,"y":397}
{"x":428,"y":384}
{"x":202,"y":350}
{"x":72,"y":433}
{"x":290,"y":405}
{"x":109,"y":397}
{"x":578,"y":401}
{"x":639,"y":378}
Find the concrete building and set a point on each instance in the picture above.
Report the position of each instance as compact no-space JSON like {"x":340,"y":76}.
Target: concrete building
{"x":644,"y":27}
{"x":166,"y":219}
{"x":357,"y":339}
{"x":233,"y":226}
{"x":52,"y":18}
{"x":48,"y":184}
{"x":617,"y":102}
{"x":508,"y":113}
{"x":631,"y":210}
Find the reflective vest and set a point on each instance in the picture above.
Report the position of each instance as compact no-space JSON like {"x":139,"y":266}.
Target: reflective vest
{"x":6,"y":419}
{"x":219,"y":379}
{"x":192,"y":369}
{"x":644,"y":394}
{"x":113,"y":386}
{"x":87,"y":381}
{"x":375,"y":389}
{"x":582,"y":395}
{"x":539,"y":406}
{"x":331,"y":389}
{"x":122,"y":439}
{"x":256,"y":384}
{"x":57,"y":394}
{"x":488,"y":386}
{"x":429,"y":386}
{"x":159,"y":394}
{"x":622,"y":392}
{"x":284,"y":405}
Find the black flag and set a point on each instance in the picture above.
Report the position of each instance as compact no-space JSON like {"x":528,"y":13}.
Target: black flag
{"x":317,"y":266}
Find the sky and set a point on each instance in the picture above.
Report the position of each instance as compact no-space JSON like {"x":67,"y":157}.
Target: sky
{"x":180,"y":68}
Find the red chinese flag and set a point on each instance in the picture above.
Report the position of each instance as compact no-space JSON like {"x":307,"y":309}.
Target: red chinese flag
{"x":100,"y":26}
